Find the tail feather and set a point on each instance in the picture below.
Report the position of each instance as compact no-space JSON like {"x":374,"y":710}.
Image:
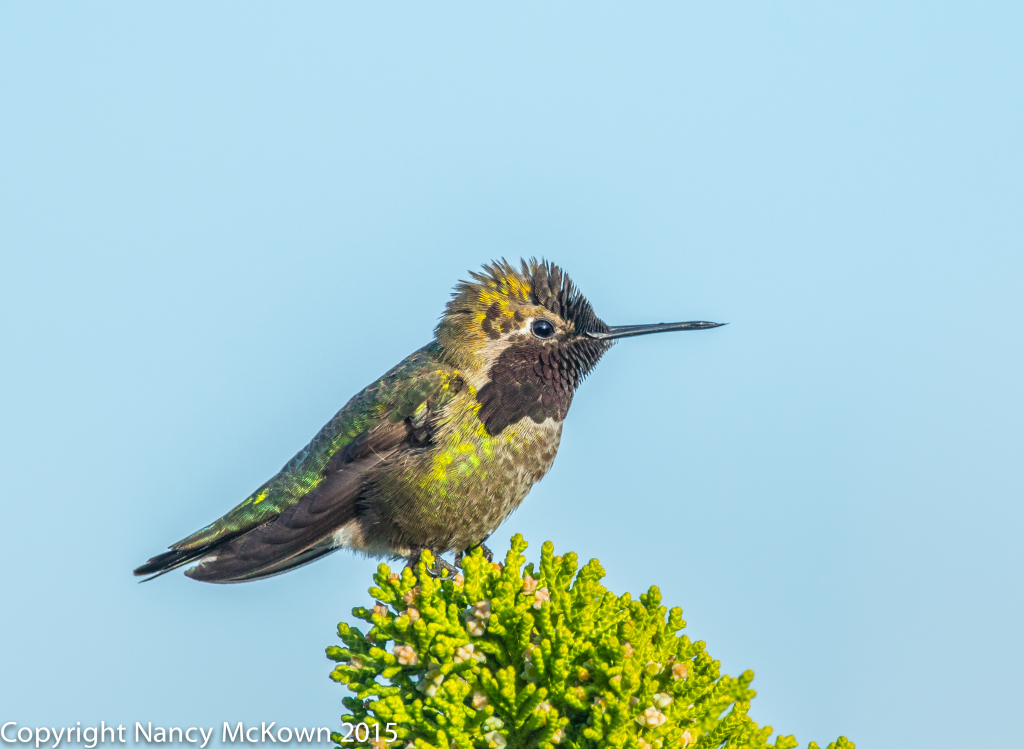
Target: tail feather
{"x":161,"y":564}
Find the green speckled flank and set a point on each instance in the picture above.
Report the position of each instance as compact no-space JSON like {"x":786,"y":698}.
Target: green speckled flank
{"x":457,"y":493}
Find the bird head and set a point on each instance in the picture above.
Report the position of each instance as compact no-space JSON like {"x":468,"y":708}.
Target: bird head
{"x":530,"y":317}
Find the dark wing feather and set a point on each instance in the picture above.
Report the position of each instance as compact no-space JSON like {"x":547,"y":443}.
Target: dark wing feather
{"x":251,"y":554}
{"x":269,"y":548}
{"x":302,"y":558}
{"x":318,"y":490}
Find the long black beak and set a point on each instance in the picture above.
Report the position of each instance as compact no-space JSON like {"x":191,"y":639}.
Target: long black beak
{"x":625,"y":331}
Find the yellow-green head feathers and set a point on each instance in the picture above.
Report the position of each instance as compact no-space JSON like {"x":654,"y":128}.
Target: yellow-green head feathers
{"x":502,"y":302}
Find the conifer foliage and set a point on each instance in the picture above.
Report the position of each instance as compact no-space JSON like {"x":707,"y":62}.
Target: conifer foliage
{"x":508,"y":656}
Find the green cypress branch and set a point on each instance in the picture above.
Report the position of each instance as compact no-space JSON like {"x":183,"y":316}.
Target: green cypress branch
{"x":506,"y":656}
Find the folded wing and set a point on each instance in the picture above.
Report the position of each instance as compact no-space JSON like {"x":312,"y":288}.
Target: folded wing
{"x":289,"y":520}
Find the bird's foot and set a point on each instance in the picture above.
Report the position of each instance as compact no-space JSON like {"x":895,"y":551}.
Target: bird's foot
{"x":488,"y":555}
{"x":440,"y":566}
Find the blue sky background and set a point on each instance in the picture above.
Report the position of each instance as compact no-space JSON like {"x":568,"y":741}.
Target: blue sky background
{"x":218,"y":223}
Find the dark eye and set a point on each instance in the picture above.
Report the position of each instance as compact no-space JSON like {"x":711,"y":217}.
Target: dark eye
{"x":542,"y":329}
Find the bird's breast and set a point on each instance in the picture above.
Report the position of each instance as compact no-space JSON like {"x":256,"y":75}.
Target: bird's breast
{"x":457,"y":491}
{"x":471,"y":467}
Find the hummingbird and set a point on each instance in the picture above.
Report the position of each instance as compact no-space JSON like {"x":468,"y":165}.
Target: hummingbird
{"x":436,"y":453}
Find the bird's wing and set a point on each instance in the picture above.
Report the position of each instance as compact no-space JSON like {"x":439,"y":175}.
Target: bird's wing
{"x":317,"y":491}
{"x":321,"y":549}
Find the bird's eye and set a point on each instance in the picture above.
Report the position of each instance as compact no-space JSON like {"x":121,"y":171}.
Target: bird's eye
{"x":542,"y":329}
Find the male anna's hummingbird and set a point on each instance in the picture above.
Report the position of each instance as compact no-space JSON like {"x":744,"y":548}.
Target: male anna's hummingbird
{"x":437,"y":452}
